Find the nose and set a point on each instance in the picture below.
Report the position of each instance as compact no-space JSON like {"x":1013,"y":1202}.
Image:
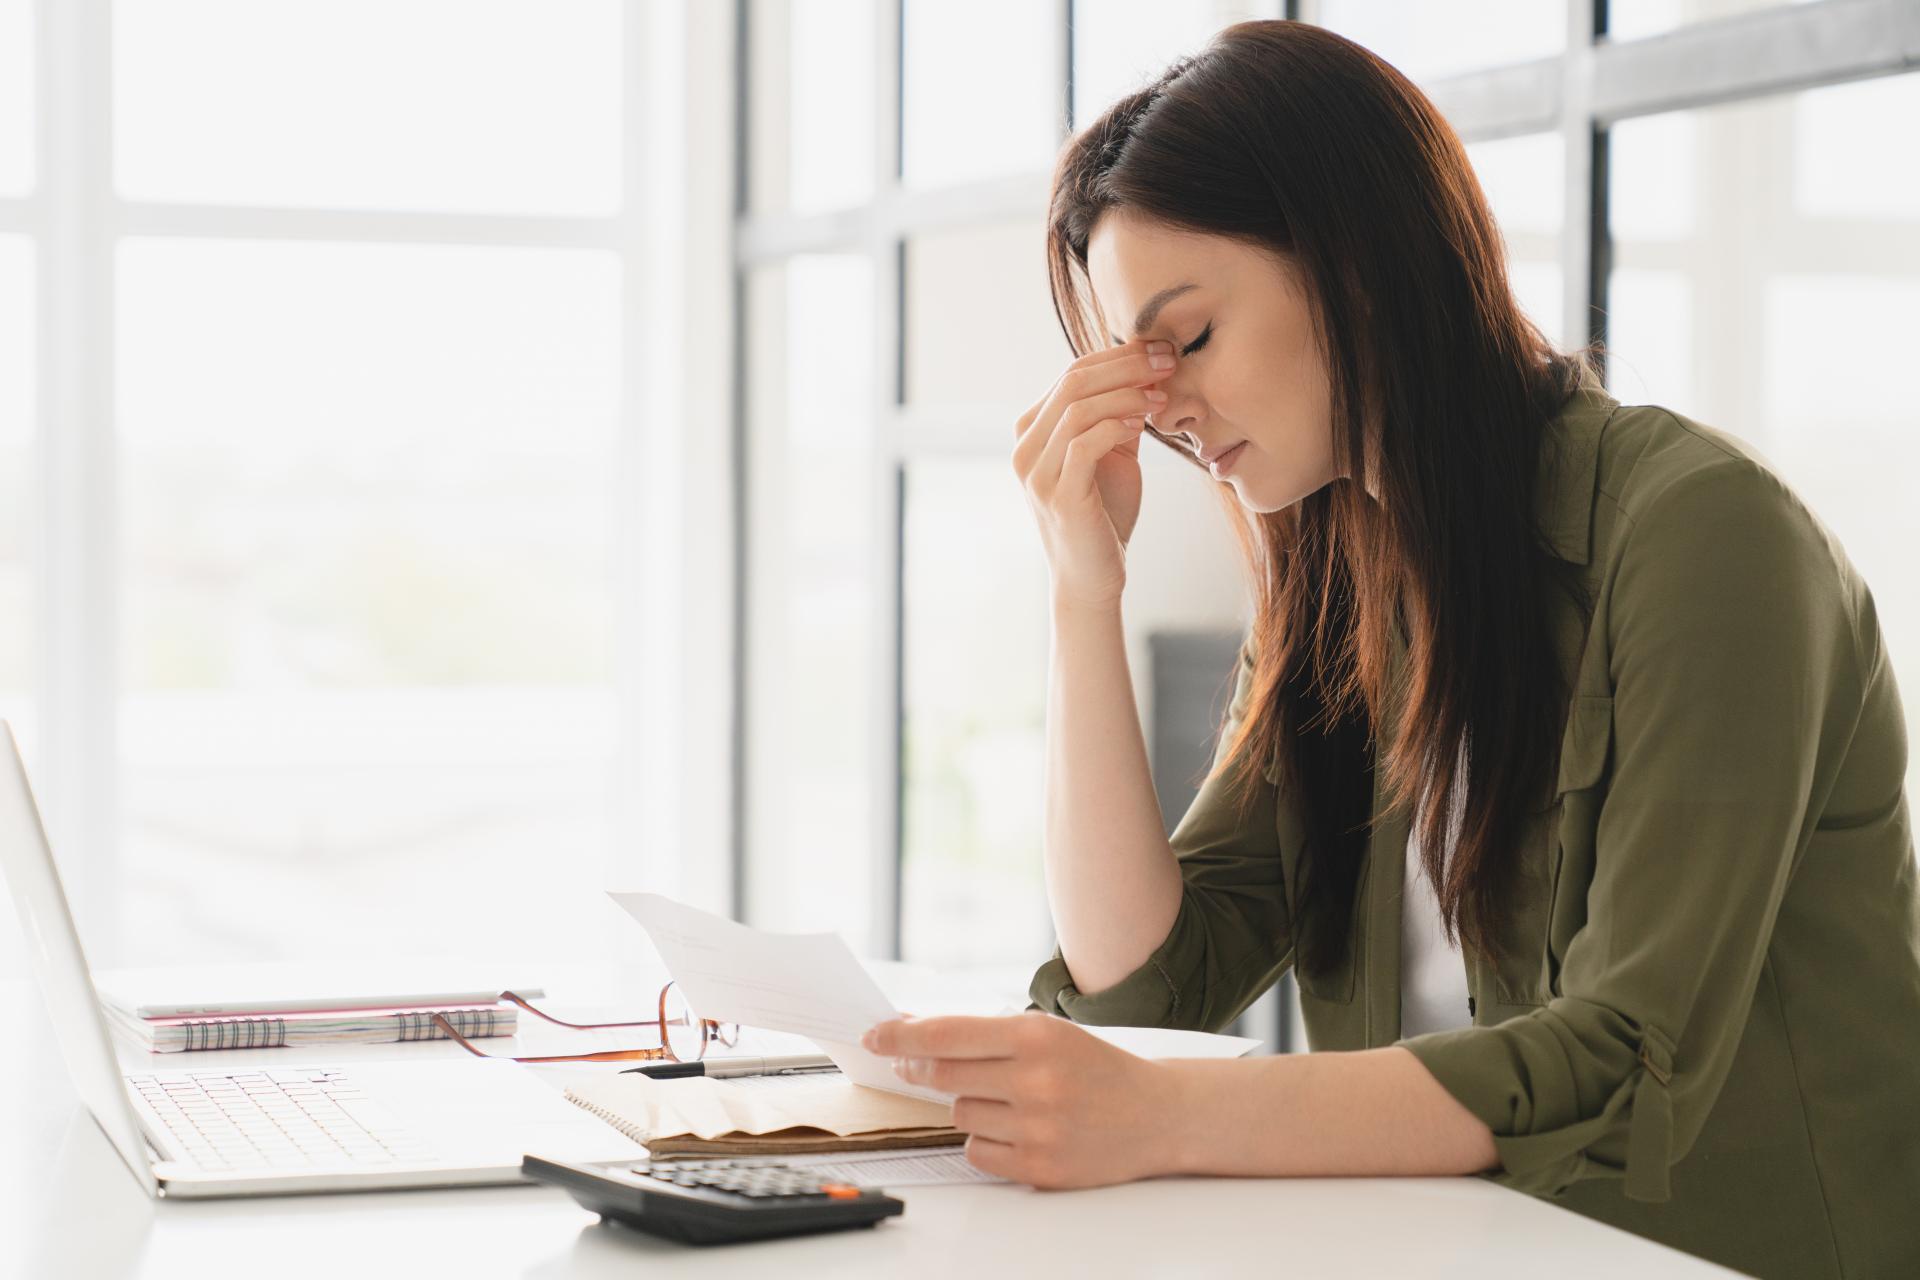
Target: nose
{"x":1172,"y":421}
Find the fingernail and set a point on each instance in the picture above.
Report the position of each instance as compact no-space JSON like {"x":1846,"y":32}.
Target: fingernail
{"x":1160,"y":346}
{"x":871,"y":1041}
{"x":906,"y":1068}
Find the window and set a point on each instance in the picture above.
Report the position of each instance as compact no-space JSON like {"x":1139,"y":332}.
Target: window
{"x":1431,"y":41}
{"x":1524,"y":179}
{"x":813,"y":733}
{"x":979,"y":334}
{"x":974,"y":597}
{"x":523,"y":116}
{"x":367,"y":657}
{"x":811,"y":65}
{"x":959,"y":125}
{"x":1118,"y":45}
{"x":1637,"y":19}
{"x":1767,"y":270}
{"x":320,"y":569}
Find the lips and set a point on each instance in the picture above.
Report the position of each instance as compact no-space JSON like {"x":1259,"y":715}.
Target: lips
{"x":1216,"y":455}
{"x":1223,"y":466}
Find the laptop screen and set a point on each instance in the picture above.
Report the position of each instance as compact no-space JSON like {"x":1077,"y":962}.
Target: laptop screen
{"x":61,"y":966}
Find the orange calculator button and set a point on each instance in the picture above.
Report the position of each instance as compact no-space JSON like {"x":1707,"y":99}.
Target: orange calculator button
{"x":840,"y":1190}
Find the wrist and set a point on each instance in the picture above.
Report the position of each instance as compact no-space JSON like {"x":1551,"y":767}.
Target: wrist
{"x":1070,"y":609}
{"x":1179,"y":1111}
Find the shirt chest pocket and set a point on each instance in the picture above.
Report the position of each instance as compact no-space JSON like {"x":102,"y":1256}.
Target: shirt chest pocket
{"x":1580,"y":787}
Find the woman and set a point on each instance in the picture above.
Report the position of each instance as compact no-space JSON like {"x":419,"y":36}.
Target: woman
{"x":1651,"y":946}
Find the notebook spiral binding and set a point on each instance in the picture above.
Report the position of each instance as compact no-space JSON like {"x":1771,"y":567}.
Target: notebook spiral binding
{"x":627,"y":1127}
{"x":271,"y":1033}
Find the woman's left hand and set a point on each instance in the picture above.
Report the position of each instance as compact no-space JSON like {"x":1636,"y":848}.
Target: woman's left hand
{"x":1042,"y":1100}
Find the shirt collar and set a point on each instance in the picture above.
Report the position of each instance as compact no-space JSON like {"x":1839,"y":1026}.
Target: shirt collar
{"x":1569,"y":465}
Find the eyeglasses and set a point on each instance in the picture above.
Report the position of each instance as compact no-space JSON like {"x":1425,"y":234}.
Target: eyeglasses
{"x":683,"y":1037}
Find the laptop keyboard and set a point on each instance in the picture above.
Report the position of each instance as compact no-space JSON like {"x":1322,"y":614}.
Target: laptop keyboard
{"x":282,"y":1118}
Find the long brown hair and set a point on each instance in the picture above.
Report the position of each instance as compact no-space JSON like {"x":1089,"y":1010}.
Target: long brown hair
{"x":1295,"y":140}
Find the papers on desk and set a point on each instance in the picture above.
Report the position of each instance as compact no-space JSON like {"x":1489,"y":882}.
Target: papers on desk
{"x":811,"y":984}
{"x":816,"y":1112}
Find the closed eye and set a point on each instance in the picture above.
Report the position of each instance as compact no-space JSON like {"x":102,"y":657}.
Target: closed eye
{"x":1187,"y":350}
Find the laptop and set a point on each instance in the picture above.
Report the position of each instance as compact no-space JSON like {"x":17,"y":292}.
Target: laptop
{"x":276,"y":1129}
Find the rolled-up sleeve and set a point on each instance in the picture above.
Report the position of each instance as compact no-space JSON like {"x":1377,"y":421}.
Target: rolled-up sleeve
{"x":1230,"y":941}
{"x":1736,"y":670}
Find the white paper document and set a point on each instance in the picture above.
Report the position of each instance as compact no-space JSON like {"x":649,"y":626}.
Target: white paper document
{"x":1173,"y":1042}
{"x":811,"y":984}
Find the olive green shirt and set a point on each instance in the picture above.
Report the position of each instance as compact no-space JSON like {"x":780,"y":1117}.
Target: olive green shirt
{"x":1704,"y":1026}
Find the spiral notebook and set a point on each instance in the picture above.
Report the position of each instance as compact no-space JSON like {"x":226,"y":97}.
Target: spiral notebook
{"x":278,"y":987}
{"x":276,"y":1030}
{"x":175,"y":1009}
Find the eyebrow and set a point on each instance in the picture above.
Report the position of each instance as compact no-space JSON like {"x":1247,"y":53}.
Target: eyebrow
{"x":1151,"y":312}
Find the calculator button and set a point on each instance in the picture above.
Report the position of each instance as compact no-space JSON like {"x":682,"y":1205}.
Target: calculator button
{"x":840,"y":1191}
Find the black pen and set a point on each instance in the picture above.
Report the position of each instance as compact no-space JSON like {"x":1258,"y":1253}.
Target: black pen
{"x":721,"y":1068}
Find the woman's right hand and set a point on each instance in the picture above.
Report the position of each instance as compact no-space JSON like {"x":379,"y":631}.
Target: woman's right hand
{"x":1077,"y":453}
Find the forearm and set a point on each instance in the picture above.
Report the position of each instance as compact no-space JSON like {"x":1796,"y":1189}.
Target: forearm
{"x":1372,"y":1111}
{"x":1112,"y":880}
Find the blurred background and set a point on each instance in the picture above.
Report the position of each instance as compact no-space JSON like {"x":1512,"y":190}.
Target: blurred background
{"x":461,"y":455}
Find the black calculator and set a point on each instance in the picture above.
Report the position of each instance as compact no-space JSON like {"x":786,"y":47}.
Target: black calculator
{"x":718,"y":1201}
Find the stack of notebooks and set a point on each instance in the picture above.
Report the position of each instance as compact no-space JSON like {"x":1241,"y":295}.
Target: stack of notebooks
{"x":763,"y":1115}
{"x":269,"y":1007}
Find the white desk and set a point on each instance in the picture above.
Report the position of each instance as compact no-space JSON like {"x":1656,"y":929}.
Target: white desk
{"x":70,"y":1210}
